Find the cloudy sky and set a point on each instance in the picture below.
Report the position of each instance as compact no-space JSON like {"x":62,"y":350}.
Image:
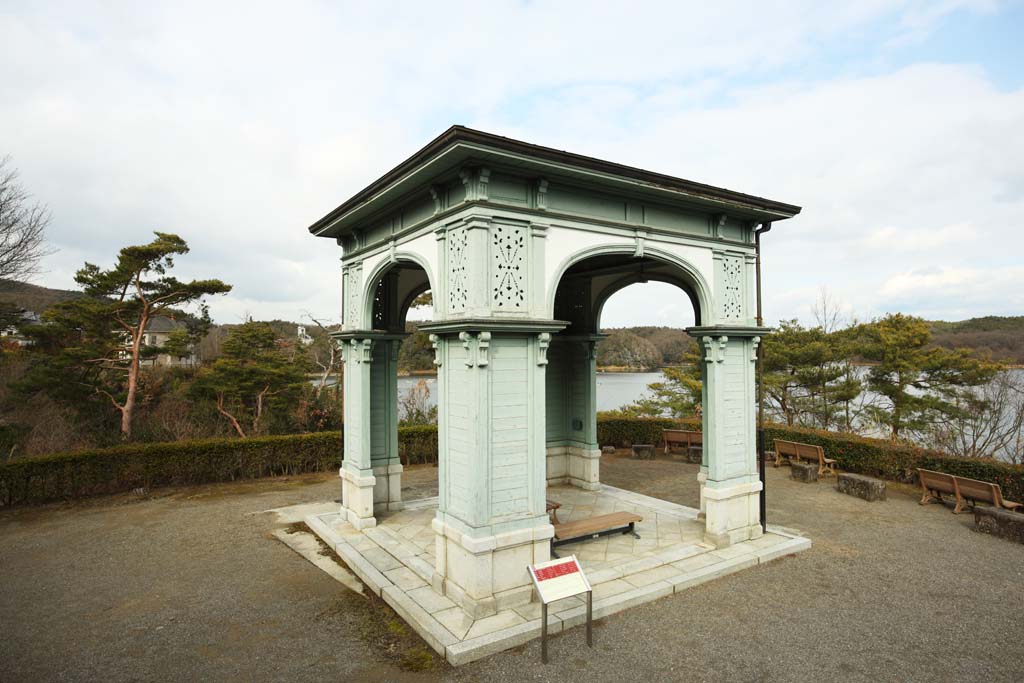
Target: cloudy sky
{"x":898,"y":126}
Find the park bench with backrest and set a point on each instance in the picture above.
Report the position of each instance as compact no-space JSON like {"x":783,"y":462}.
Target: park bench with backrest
{"x":690,"y":440}
{"x":593,"y":527}
{"x":796,"y":451}
{"x":966,"y":491}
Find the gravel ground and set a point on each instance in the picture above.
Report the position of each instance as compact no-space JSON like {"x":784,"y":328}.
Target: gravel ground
{"x":190,"y":585}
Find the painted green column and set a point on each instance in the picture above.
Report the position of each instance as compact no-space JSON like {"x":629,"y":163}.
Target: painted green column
{"x":384,"y":458}
{"x":729,"y":492}
{"x":491,"y":520}
{"x":371,"y":470}
{"x":491,"y":347}
{"x":357,"y":478}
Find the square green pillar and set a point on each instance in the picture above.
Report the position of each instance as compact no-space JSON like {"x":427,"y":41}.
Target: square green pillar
{"x":371,"y":471}
{"x":730,"y":485}
{"x":491,"y":520}
{"x":573,"y":455}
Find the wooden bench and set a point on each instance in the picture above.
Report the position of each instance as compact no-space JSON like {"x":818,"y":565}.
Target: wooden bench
{"x":794,"y":450}
{"x":682,"y":438}
{"x":966,"y":491}
{"x":593,"y":527}
{"x":934,"y":484}
{"x":973,"y":491}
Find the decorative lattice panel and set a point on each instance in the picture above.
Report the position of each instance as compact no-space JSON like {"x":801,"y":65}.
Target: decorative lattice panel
{"x":353,"y":280}
{"x":380,"y":305}
{"x":508,"y":261}
{"x":732,"y":287}
{"x":458,"y":269}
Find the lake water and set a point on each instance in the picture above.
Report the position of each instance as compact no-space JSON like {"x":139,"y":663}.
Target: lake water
{"x":614,"y":389}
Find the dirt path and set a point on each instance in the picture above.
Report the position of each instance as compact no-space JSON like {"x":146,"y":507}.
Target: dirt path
{"x":191,"y":585}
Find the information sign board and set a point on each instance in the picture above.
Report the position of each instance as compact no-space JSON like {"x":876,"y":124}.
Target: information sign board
{"x":555,"y":580}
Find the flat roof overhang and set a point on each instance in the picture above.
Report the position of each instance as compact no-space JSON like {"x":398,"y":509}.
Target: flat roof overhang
{"x":459,"y":146}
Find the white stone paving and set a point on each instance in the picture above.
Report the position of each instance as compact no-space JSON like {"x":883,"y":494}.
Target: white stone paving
{"x":395,"y":560}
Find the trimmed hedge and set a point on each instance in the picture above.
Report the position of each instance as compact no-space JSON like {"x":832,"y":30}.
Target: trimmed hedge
{"x":623,"y":432}
{"x":417,"y":444}
{"x":153,"y":465}
{"x":179,"y":463}
{"x":899,"y":462}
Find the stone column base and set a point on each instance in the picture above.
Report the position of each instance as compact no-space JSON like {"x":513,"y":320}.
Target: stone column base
{"x":487,"y":574}
{"x":585,"y":468}
{"x":557,"y":465}
{"x":732,"y":513}
{"x":702,"y":478}
{"x":387,"y":491}
{"x":357,"y":498}
{"x":580,"y":467}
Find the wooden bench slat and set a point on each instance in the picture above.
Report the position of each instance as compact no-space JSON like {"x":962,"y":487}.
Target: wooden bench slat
{"x":592,"y":525}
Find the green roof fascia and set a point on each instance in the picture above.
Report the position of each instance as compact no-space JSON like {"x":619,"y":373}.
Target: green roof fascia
{"x":461,"y":146}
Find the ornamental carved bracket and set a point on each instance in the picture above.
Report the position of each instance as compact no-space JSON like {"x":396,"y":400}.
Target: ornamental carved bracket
{"x":362,"y":350}
{"x":476,"y":354}
{"x":714,"y":348}
{"x":542,"y":194}
{"x":435,"y":341}
{"x":543,"y":342}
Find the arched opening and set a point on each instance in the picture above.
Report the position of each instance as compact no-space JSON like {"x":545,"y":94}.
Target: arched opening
{"x":645,"y":343}
{"x":589,"y":291}
{"x":402,"y":391}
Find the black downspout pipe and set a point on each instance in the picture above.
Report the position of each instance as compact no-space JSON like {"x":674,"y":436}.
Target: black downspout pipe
{"x":765,"y":227}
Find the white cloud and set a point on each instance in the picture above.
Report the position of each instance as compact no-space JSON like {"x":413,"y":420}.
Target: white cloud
{"x":237,"y":126}
{"x":962,"y":290}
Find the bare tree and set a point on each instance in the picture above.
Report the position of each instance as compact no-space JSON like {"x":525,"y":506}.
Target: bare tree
{"x":828,"y":312}
{"x":991,"y":423}
{"x":22,"y":228}
{"x":326,"y":356}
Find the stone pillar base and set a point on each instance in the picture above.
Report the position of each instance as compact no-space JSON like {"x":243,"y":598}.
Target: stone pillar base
{"x":387,"y":491}
{"x":702,"y":478}
{"x":585,"y":468}
{"x":487,"y":574}
{"x":357,"y":498}
{"x":732,"y":512}
{"x":575,"y":465}
{"x":557,"y":465}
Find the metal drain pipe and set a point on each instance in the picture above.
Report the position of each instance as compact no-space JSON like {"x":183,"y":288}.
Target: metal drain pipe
{"x":765,"y":227}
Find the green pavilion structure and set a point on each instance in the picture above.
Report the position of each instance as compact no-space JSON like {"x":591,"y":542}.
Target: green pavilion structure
{"x":521,"y":246}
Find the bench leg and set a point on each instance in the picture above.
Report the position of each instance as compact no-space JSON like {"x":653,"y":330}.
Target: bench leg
{"x":631,"y":530}
{"x":959,"y":505}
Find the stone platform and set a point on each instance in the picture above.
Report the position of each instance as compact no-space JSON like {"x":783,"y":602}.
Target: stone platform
{"x":395,"y":560}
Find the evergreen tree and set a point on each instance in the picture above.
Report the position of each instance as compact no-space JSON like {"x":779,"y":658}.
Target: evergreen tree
{"x":253,"y":375}
{"x":921,"y":384}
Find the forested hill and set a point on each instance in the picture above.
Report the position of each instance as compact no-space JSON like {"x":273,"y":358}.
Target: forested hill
{"x":1003,"y":337}
{"x":32,"y":297}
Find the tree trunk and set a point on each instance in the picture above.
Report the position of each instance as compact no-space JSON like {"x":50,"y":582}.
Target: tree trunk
{"x":229,"y":416}
{"x":128,"y":411}
{"x":259,"y":409}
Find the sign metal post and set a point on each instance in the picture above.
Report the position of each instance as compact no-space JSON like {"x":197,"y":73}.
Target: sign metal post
{"x":555,"y":580}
